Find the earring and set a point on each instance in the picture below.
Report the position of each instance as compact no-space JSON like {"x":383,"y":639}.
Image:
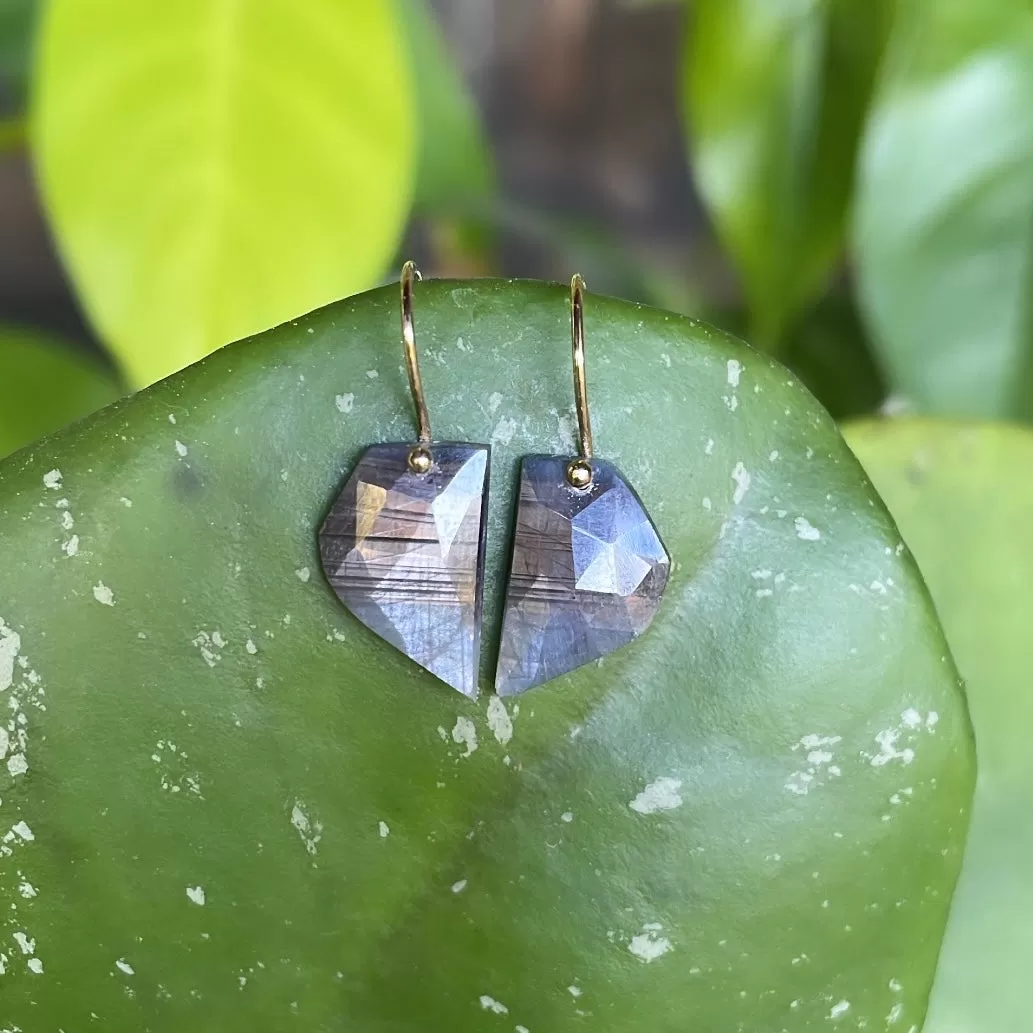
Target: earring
{"x":403,"y":545}
{"x":588,"y":568}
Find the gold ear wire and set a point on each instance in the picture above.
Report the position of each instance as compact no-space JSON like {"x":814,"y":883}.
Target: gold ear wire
{"x":579,"y":471}
{"x":419,"y":458}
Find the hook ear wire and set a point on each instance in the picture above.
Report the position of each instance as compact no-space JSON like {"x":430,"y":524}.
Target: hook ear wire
{"x":419,"y":457}
{"x":579,"y":471}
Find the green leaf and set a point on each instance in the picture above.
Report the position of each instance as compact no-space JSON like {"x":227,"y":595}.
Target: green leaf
{"x":17,"y":21}
{"x":944,"y":202}
{"x":775,"y":95}
{"x":44,"y":385}
{"x":454,"y":169}
{"x":212,"y":169}
{"x":795,"y":679}
{"x":958,"y":494}
{"x":827,"y":348}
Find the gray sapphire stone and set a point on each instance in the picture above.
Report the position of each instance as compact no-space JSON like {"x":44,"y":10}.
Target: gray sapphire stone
{"x":405,"y":553}
{"x":587,"y":575}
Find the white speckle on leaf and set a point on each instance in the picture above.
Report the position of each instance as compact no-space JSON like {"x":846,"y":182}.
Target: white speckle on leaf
{"x":494,"y":401}
{"x":209,"y":646}
{"x":181,"y":449}
{"x":52,"y":480}
{"x":772,"y":456}
{"x":805,"y":530}
{"x":71,"y":547}
{"x":103,"y":594}
{"x":911,"y":717}
{"x":17,"y":764}
{"x":458,"y":887}
{"x":932,"y":720}
{"x":385,"y":829}
{"x":887,"y":740}
{"x":742,"y":482}
{"x":707,"y":504}
{"x":67,"y":520}
{"x":123,"y":966}
{"x":490,"y":1004}
{"x":250,"y":647}
{"x":128,"y":503}
{"x":839,"y":1010}
{"x":661,"y":795}
{"x":23,"y":831}
{"x":35,"y":966}
{"x":372,"y":374}
{"x":345,"y":403}
{"x":25,"y":945}
{"x":303,"y":574}
{"x":895,"y":1014}
{"x":465,"y":733}
{"x":567,"y":816}
{"x":649,"y":945}
{"x":310,"y":831}
{"x":734,"y":372}
{"x":504,"y":431}
{"x":196,"y":895}
{"x":499,"y":721}
{"x":10,"y":643}
{"x":819,"y":760}
{"x":574,"y":990}
{"x":709,"y":449}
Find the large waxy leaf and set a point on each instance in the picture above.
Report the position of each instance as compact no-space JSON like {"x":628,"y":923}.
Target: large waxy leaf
{"x":44,"y":385}
{"x":945,"y":202}
{"x":775,"y":96}
{"x":233,"y":807}
{"x":963,"y":506}
{"x":211,"y":169}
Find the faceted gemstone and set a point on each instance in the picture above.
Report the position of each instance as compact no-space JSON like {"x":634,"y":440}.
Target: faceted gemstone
{"x":405,"y":553}
{"x":587,"y":575}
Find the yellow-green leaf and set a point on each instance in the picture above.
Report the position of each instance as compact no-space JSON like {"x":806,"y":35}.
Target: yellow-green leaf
{"x":213,"y":167}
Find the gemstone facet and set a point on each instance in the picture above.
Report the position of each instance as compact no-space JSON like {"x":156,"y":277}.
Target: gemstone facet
{"x":404,"y":552}
{"x":587,"y":575}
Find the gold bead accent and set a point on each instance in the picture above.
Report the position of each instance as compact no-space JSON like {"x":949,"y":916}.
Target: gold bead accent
{"x":420,"y":460}
{"x":579,"y":474}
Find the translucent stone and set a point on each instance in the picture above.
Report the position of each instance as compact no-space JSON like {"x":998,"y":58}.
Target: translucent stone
{"x":587,"y":575}
{"x":404,"y":552}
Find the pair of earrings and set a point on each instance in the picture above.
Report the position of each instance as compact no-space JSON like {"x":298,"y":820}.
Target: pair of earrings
{"x":403,"y":547}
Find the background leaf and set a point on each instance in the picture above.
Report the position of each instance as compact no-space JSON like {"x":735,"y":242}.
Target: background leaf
{"x":212,"y":169}
{"x":945,"y":203}
{"x":962,"y":503}
{"x":44,"y":385}
{"x":775,"y":95}
{"x":221,"y":741}
{"x":454,"y":168}
{"x":17,"y":19}
{"x":455,"y":175}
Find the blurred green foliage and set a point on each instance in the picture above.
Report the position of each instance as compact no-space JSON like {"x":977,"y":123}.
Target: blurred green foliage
{"x":775,"y":95}
{"x":937,"y":478}
{"x":945,"y":203}
{"x":46,"y":384}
